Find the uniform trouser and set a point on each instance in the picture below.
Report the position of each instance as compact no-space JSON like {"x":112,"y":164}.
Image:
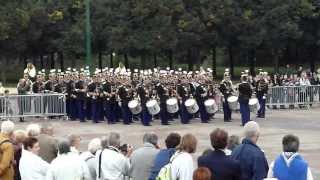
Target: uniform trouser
{"x":245,"y":111}
{"x":81,"y":109}
{"x":88,"y":111}
{"x":73,"y":109}
{"x":126,"y":114}
{"x":185,"y":116}
{"x":95,"y":111}
{"x":164,"y":115}
{"x":68,"y":105}
{"x":145,"y":117}
{"x":262,"y":109}
{"x":226,"y":111}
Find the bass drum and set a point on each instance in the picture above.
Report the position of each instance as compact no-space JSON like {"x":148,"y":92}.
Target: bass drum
{"x":153,"y":107}
{"x":172,"y":105}
{"x":135,"y":107}
{"x":254,"y":105}
{"x":192,"y":106}
{"x":211,"y":106}
{"x":233,"y":102}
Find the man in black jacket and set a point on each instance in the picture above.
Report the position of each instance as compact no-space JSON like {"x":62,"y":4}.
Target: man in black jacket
{"x":245,"y":94}
{"x":221,"y":166}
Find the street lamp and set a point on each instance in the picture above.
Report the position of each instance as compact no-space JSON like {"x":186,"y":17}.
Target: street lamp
{"x":88,"y":34}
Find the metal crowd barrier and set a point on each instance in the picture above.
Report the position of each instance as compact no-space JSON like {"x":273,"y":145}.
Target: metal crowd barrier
{"x":33,"y":105}
{"x":293,"y":96}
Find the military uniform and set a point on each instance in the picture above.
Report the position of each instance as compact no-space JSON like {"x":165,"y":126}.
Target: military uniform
{"x":245,"y":94}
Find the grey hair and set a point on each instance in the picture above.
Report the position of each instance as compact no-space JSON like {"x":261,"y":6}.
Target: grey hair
{"x":72,"y":139}
{"x":64,"y":147}
{"x":151,"y":138}
{"x":7,"y":127}
{"x":114,"y":139}
{"x":33,"y":130}
{"x":104,"y":142}
{"x":251,"y":129}
{"x":94,"y":145}
{"x":46,"y":126}
{"x":290,"y":143}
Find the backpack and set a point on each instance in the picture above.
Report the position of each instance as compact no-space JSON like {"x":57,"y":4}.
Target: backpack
{"x":165,"y":172}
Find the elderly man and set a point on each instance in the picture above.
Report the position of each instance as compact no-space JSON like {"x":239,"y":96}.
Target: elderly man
{"x":75,"y":141}
{"x":289,"y":165}
{"x":67,"y":165}
{"x":142,"y":159}
{"x":253,"y":163}
{"x":7,"y":151}
{"x":48,"y":144}
{"x":221,"y":166}
{"x":111,"y":164}
{"x":89,"y":156}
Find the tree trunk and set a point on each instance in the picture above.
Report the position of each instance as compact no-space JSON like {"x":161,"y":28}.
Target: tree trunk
{"x":313,"y":56}
{"x":214,"y":61}
{"x":34,"y":61}
{"x":155,"y":60}
{"x":143,"y":61}
{"x":100,"y":60}
{"x":111,"y":60}
{"x":190,"y":61}
{"x":25,"y":62}
{"x":41,"y":62}
{"x":170,"y":59}
{"x":61,"y":58}
{"x":231,"y":61}
{"x":52,"y":60}
{"x":275,"y":60}
{"x":252,"y":60}
{"x":126,"y":60}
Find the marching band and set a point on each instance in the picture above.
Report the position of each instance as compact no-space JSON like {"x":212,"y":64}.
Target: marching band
{"x":115,"y":94}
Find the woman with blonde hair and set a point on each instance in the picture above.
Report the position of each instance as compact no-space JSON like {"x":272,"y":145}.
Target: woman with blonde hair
{"x":182,"y":163}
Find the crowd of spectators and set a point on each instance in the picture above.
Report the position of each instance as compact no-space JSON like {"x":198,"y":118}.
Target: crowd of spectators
{"x":34,"y":154}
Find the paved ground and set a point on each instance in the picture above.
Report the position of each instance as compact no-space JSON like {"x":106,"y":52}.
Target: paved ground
{"x":304,"y":123}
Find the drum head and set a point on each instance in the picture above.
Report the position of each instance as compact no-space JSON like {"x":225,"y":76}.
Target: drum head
{"x":232,"y":99}
{"x":151,"y":103}
{"x":190,"y":102}
{"x":209,"y":102}
{"x":172,"y":101}
{"x":133,"y":104}
{"x":253,"y":101}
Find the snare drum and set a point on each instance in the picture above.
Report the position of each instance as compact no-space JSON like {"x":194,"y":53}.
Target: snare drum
{"x":153,"y":107}
{"x":233,"y":102}
{"x":172,"y":105}
{"x":192,"y":106}
{"x":135,"y":107}
{"x":254,"y":105}
{"x":211,"y":106}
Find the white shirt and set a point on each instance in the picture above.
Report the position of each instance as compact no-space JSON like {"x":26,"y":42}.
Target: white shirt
{"x":32,"y":167}
{"x":114,"y":165}
{"x":288,"y":162}
{"x":90,"y":160}
{"x":68,"y":166}
{"x":182,"y":166}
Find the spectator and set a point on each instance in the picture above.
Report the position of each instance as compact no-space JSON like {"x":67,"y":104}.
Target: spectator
{"x":6,"y":151}
{"x":202,"y":173}
{"x":233,"y":142}
{"x":33,"y":130}
{"x":221,"y":166}
{"x":110,"y":162}
{"x":163,"y":157}
{"x":19,"y":137}
{"x":142,"y":159}
{"x":67,"y":165}
{"x":253,"y":163}
{"x":89,"y":156}
{"x":289,"y":165}
{"x":182,"y":163}
{"x":31,"y":166}
{"x":75,"y":141}
{"x":48,"y":144}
